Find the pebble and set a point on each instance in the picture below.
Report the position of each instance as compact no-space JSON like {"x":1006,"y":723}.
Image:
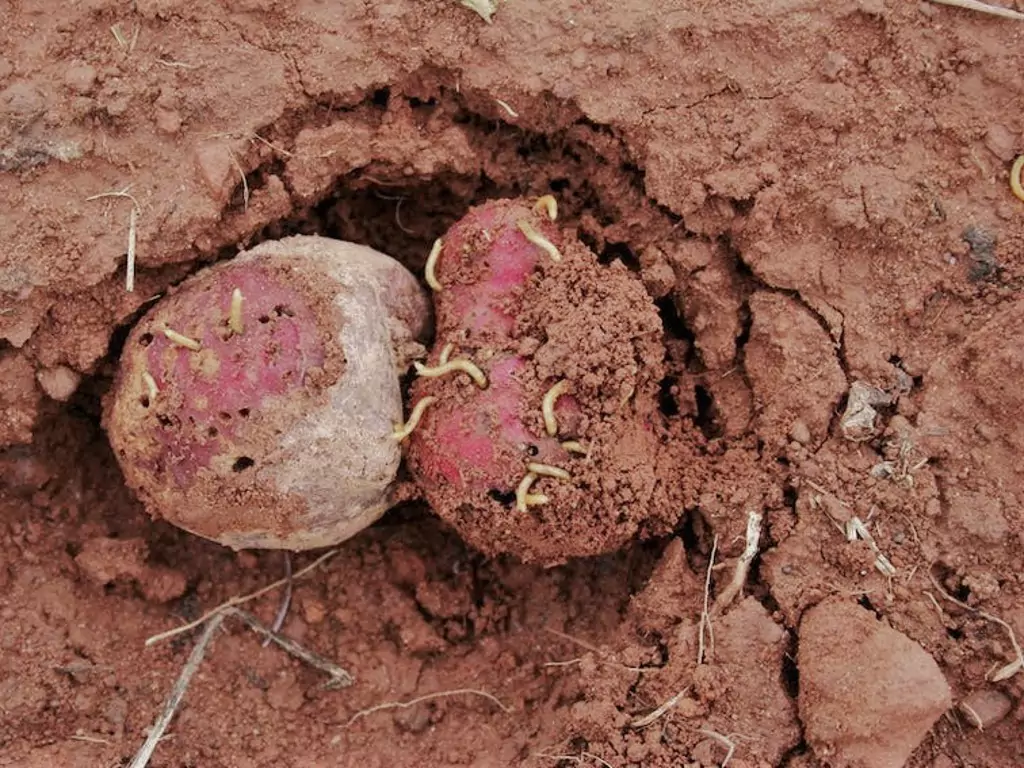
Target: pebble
{"x":59,"y":383}
{"x":800,"y":432}
{"x":985,"y":707}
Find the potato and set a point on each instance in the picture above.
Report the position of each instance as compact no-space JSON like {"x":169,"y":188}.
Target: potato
{"x":255,"y":404}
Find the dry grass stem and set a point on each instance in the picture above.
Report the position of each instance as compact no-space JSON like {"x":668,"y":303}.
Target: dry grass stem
{"x":427,"y":697}
{"x":705,"y":615}
{"x":643,"y":722}
{"x":240,"y":600}
{"x":141,"y":759}
{"x":974,"y":5}
{"x":133,"y":221}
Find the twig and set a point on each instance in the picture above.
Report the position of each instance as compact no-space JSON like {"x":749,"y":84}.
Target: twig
{"x":286,"y":601}
{"x":723,"y":740}
{"x":133,"y":218}
{"x":177,"y":694}
{"x":643,"y":722}
{"x":428,"y":697}
{"x":234,"y":601}
{"x":739,"y":577}
{"x":974,"y":5}
{"x":1004,"y":672}
{"x":340,"y":678}
{"x":705,"y":615}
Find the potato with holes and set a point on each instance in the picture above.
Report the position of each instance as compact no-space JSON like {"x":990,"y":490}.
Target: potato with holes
{"x":534,"y":426}
{"x":255,"y":404}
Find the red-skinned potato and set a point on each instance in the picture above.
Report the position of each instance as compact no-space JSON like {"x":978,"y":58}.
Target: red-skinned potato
{"x":534,"y":427}
{"x":255,"y":404}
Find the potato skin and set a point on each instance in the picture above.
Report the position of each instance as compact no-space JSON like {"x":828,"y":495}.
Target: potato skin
{"x":278,"y":437}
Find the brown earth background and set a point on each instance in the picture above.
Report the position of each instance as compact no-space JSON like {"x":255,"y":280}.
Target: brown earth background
{"x":814,"y":193}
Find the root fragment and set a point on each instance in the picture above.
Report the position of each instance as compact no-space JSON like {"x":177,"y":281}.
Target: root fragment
{"x":429,"y":270}
{"x":547,"y":470}
{"x":235,"y":322}
{"x":739,"y":577}
{"x":182,"y":340}
{"x":460,"y":364}
{"x":402,"y":431}
{"x":427,"y":697}
{"x":539,"y":240}
{"x":548,"y":406}
{"x":548,"y":204}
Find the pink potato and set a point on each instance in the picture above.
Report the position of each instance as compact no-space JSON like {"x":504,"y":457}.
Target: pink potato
{"x":516,"y":316}
{"x":255,"y":404}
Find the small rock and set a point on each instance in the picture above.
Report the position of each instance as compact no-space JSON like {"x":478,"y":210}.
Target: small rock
{"x":985,"y":707}
{"x":800,"y":432}
{"x":313,"y":611}
{"x":1001,"y":142}
{"x":857,"y":673}
{"x":58,"y":383}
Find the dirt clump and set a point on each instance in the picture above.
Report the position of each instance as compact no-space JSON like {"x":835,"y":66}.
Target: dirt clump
{"x":875,"y":711}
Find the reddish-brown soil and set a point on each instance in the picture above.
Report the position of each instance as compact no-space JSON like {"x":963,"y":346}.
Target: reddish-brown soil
{"x":814,"y":194}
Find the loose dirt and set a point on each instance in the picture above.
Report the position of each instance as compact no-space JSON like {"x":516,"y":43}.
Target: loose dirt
{"x":812,"y":194}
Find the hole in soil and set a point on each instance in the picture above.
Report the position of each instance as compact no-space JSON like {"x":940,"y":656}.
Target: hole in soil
{"x":144,"y":401}
{"x":505,"y":498}
{"x":242,"y":463}
{"x":707,"y":414}
{"x":623,"y":253}
{"x":146,"y":339}
{"x":244,"y":412}
{"x":791,"y":672}
{"x":667,"y":402}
